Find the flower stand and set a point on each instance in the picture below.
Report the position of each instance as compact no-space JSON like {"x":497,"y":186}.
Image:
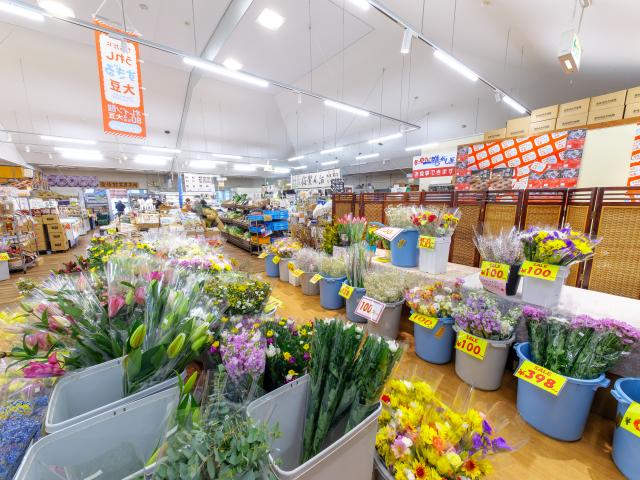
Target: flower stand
{"x":309,"y":288}
{"x":283,"y":266}
{"x":389,"y":324}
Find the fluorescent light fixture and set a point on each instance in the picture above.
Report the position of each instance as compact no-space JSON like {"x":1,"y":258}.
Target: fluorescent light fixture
{"x":57,"y":9}
{"x":331,"y":162}
{"x":293,"y":159}
{"x":19,"y":11}
{"x":270,"y":19}
{"x":151,"y":159}
{"x":232,"y":64}
{"x":405,"y":48}
{"x":330,"y":150}
{"x":66,"y":139}
{"x":386,"y":138}
{"x":162,"y":149}
{"x":455,"y":64}
{"x":301,"y":167}
{"x":421,"y":147}
{"x":346,"y":108}
{"x":362,"y":4}
{"x":27,"y":149}
{"x":369,"y":155}
{"x":202,"y":164}
{"x":244,"y":167}
{"x":79,"y":154}
{"x":513,"y":104}
{"x":224,"y":155}
{"x":225,"y":72}
{"x":281,"y":170}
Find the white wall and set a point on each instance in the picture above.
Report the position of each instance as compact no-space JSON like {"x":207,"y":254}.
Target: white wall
{"x":606,"y":157}
{"x":445,"y":147}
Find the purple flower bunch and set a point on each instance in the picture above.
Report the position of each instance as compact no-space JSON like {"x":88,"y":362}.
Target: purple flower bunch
{"x":243,"y":354}
{"x":485,"y":443}
{"x":481,"y":315}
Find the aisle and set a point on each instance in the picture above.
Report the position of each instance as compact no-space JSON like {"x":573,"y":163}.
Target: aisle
{"x":541,"y":458}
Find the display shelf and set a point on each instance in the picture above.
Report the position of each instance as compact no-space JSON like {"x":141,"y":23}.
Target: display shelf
{"x":238,"y":241}
{"x":237,"y":223}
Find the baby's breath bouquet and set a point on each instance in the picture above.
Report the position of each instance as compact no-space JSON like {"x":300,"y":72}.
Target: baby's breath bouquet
{"x":307,"y":259}
{"x":400,"y":217}
{"x":387,"y":286}
{"x":332,"y":267}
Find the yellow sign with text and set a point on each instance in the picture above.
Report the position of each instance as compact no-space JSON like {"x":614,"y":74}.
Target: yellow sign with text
{"x":263,"y":255}
{"x":471,"y":345}
{"x":543,"y":271}
{"x":631,"y":419}
{"x":495,"y":271}
{"x":428,"y":243}
{"x":4,"y":257}
{"x":276,"y":259}
{"x":541,"y":377}
{"x":272,"y":304}
{"x":291,"y":267}
{"x":423,"y":320}
{"x":297,"y":273}
{"x":346,"y":291}
{"x":316,"y":278}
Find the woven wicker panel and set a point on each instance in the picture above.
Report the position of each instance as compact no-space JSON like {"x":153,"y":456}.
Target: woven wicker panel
{"x":463,"y":251}
{"x":499,"y":217}
{"x":373,"y":212}
{"x":577,"y":216}
{"x":542,"y":215}
{"x":614,"y":269}
{"x":342,"y":208}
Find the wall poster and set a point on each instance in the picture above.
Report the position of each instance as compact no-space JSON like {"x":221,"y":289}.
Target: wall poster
{"x":434,"y":165}
{"x":634,"y":167}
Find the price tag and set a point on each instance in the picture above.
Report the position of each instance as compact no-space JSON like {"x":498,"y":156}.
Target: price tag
{"x":316,"y":278}
{"x":631,"y":419}
{"x":263,"y":255}
{"x":401,"y":243}
{"x":271,"y":304}
{"x":291,"y":267}
{"x":471,"y":345}
{"x":382,"y":259}
{"x":388,"y":233}
{"x":541,"y":377}
{"x":4,"y":257}
{"x":276,"y":259}
{"x":346,"y":291}
{"x":370,"y":308}
{"x":297,"y":273}
{"x":495,"y":271}
{"x":423,"y":320}
{"x":543,"y":271}
{"x":428,"y":243}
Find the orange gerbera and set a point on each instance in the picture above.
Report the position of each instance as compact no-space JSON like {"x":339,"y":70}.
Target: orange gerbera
{"x":438,"y":444}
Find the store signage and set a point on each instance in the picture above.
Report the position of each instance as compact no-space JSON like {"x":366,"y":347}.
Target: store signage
{"x":542,"y":271}
{"x":434,"y":165}
{"x":122,"y":185}
{"x":276,"y":259}
{"x":471,"y":345}
{"x":634,"y":166}
{"x":316,"y":278}
{"x":199,"y":183}
{"x":428,"y":243}
{"x":423,"y":320}
{"x":4,"y":257}
{"x":315,"y":180}
{"x":631,"y":419}
{"x":370,"y":308}
{"x":263,"y":255}
{"x":388,"y":233}
{"x":337,"y":185}
{"x":120,"y":84}
{"x":297,"y":273}
{"x":493,"y":277}
{"x":346,"y":291}
{"x":541,"y":377}
{"x":272,"y":304}
{"x":73,"y":181}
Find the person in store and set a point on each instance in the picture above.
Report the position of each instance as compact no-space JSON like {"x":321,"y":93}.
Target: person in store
{"x":120,"y":207}
{"x":158,"y":204}
{"x":187,"y":205}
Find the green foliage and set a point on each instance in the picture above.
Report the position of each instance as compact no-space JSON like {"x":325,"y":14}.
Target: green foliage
{"x":330,"y":238}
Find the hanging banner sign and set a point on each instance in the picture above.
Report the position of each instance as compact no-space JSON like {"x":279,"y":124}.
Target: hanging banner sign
{"x":199,"y":183}
{"x":120,"y":85}
{"x":315,"y":180}
{"x":434,"y":165}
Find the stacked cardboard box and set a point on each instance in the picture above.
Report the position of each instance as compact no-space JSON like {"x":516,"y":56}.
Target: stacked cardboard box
{"x":55,"y":233}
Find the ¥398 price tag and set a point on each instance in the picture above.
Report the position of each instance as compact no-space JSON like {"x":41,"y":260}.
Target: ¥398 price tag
{"x":541,"y":377}
{"x":346,"y":291}
{"x":370,"y":308}
{"x":428,"y":243}
{"x":543,"y":271}
{"x":631,"y":419}
{"x":423,"y":320}
{"x":471,"y":345}
{"x":315,"y":279}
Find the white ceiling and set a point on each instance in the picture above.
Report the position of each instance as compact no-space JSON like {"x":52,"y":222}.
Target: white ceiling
{"x":49,"y":82}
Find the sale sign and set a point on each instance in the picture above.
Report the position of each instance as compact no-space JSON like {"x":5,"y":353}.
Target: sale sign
{"x":291,"y":267}
{"x":272,"y":304}
{"x":471,"y":345}
{"x":388,"y":233}
{"x":263,"y":255}
{"x":370,"y":308}
{"x":493,"y":277}
{"x":297,"y":272}
{"x":428,"y":243}
{"x":423,"y":320}
{"x":275,"y":259}
{"x":541,"y":377}
{"x":316,"y":278}
{"x":434,"y":165}
{"x":543,"y":271}
{"x":631,"y":419}
{"x":120,"y":84}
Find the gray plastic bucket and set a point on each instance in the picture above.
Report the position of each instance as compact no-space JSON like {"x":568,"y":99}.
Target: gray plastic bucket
{"x":283,"y":265}
{"x":382,"y":473}
{"x":114,"y":445}
{"x":346,"y":456}
{"x":389,"y":324}
{"x":485,"y":374}
{"x":351,"y":304}
{"x":309,"y":288}
{"x":90,"y":392}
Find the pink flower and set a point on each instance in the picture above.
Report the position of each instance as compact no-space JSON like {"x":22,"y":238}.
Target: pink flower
{"x":401,"y":445}
{"x":115,"y":303}
{"x":41,"y":339}
{"x":50,"y":308}
{"x":58,"y":322}
{"x":140,"y":295}
{"x":41,"y":369}
{"x":153,"y":276}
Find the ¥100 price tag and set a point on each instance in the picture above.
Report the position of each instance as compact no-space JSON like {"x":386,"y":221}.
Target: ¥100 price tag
{"x":297,"y":273}
{"x":4,"y":257}
{"x":263,"y":255}
{"x":388,"y":233}
{"x":541,"y":377}
{"x":631,"y":419}
{"x":471,"y":345}
{"x":276,"y":259}
{"x":346,"y":291}
{"x":495,"y":271}
{"x":543,"y":271}
{"x":370,"y":308}
{"x":315,"y":279}
{"x":423,"y":320}
{"x":428,"y":243}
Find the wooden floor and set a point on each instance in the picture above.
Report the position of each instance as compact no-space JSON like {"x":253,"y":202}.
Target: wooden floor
{"x":540,"y":458}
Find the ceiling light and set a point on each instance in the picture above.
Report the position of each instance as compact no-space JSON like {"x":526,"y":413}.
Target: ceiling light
{"x":421,"y":147}
{"x":244,"y":167}
{"x":232,"y":64}
{"x":57,"y":9}
{"x":27,"y":149}
{"x":513,"y":104}
{"x":225,"y":72}
{"x":281,"y":170}
{"x":362,"y":4}
{"x":346,"y":108}
{"x":370,"y":155}
{"x":301,"y":167}
{"x":151,"y":159}
{"x":293,"y":159}
{"x":331,"y":162}
{"x":386,"y":138}
{"x":406,"y":41}
{"x":20,"y":11}
{"x":330,"y":150}
{"x":79,"y":154}
{"x":67,"y":140}
{"x":270,"y":19}
{"x":455,"y":64}
{"x":162,"y":149}
{"x":224,"y":155}
{"x":568,"y":65}
{"x":202,"y":164}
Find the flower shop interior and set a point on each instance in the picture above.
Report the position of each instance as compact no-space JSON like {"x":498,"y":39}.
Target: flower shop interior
{"x":319,"y":239}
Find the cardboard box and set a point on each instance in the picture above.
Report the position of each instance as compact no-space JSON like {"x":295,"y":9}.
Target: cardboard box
{"x":632,"y":110}
{"x":543,"y":114}
{"x":60,"y":246}
{"x":497,"y":134}
{"x":609,"y":100}
{"x":518,"y":127}
{"x":633,"y":95}
{"x":572,"y":121}
{"x":574,"y":108}
{"x":57,"y":237}
{"x":54,"y":228}
{"x":542,"y":127}
{"x":605,"y":115}
{"x":47,"y":219}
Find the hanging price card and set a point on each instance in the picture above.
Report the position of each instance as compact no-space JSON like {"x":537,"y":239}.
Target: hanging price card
{"x":471,"y":345}
{"x":423,"y":320}
{"x":263,"y":255}
{"x":543,"y":271}
{"x":370,"y":308}
{"x":272,"y":303}
{"x":495,"y":271}
{"x":316,"y":278}
{"x":428,"y":243}
{"x":631,"y":419}
{"x":382,"y":259}
{"x":291,"y":267}
{"x":346,"y":291}
{"x":541,"y":377}
{"x":4,"y":257}
{"x":388,"y":233}
{"x":276,"y":259}
{"x":297,"y":273}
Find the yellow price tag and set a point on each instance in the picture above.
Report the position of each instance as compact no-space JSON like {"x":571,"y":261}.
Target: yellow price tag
{"x":276,"y":259}
{"x":495,"y":271}
{"x":316,"y":278}
{"x":272,"y":303}
{"x":631,"y":419}
{"x":543,"y":271}
{"x":291,"y":267}
{"x":471,"y":345}
{"x":4,"y":257}
{"x":423,"y":320}
{"x":428,"y":243}
{"x":297,"y":273}
{"x":541,"y":377}
{"x":263,"y":255}
{"x":382,"y":259}
{"x":346,"y":291}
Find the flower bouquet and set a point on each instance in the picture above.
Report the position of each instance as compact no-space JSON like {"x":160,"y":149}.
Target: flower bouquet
{"x":404,"y":246}
{"x":333,"y":271}
{"x":308,"y":260}
{"x":504,"y":249}
{"x":358,"y":261}
{"x":386,"y":286}
{"x":351,"y":229}
{"x":284,"y":249}
{"x":238,"y":293}
{"x":436,"y":226}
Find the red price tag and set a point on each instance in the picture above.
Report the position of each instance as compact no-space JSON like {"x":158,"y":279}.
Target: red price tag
{"x":543,"y":271}
{"x":541,"y":377}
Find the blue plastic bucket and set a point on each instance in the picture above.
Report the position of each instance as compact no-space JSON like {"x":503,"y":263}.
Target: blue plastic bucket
{"x":564,"y":416}
{"x":272,"y":269}
{"x":435,"y":345}
{"x":404,"y":249}
{"x":626,"y":446}
{"x":352,"y":303}
{"x":329,"y":288}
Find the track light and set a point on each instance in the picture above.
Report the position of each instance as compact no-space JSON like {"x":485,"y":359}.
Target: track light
{"x":455,"y":64}
{"x":513,"y":104}
{"x":346,"y":108}
{"x":406,"y":41}
{"x":225,"y":72}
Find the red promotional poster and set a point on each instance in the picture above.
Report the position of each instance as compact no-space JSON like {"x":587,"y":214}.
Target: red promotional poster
{"x":634,"y":167}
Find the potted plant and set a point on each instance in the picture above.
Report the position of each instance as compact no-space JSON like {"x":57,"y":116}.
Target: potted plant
{"x":549,"y":253}
{"x":308,"y":260}
{"x":438,"y":227}
{"x":358,"y":261}
{"x":404,"y":246}
{"x":386,"y":286}
{"x":485,"y":331}
{"x":333,"y":271}
{"x":500,"y":254}
{"x":431,"y":309}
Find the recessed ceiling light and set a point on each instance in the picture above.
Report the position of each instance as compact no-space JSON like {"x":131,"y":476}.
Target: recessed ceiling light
{"x":270,"y":19}
{"x":331,"y":162}
{"x":151,"y":159}
{"x":57,"y":9}
{"x":293,"y":159}
{"x":232,"y":64}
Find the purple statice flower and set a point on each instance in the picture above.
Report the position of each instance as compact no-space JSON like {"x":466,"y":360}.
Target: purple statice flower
{"x":244,"y":354}
{"x":486,"y":427}
{"x":499,"y":444}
